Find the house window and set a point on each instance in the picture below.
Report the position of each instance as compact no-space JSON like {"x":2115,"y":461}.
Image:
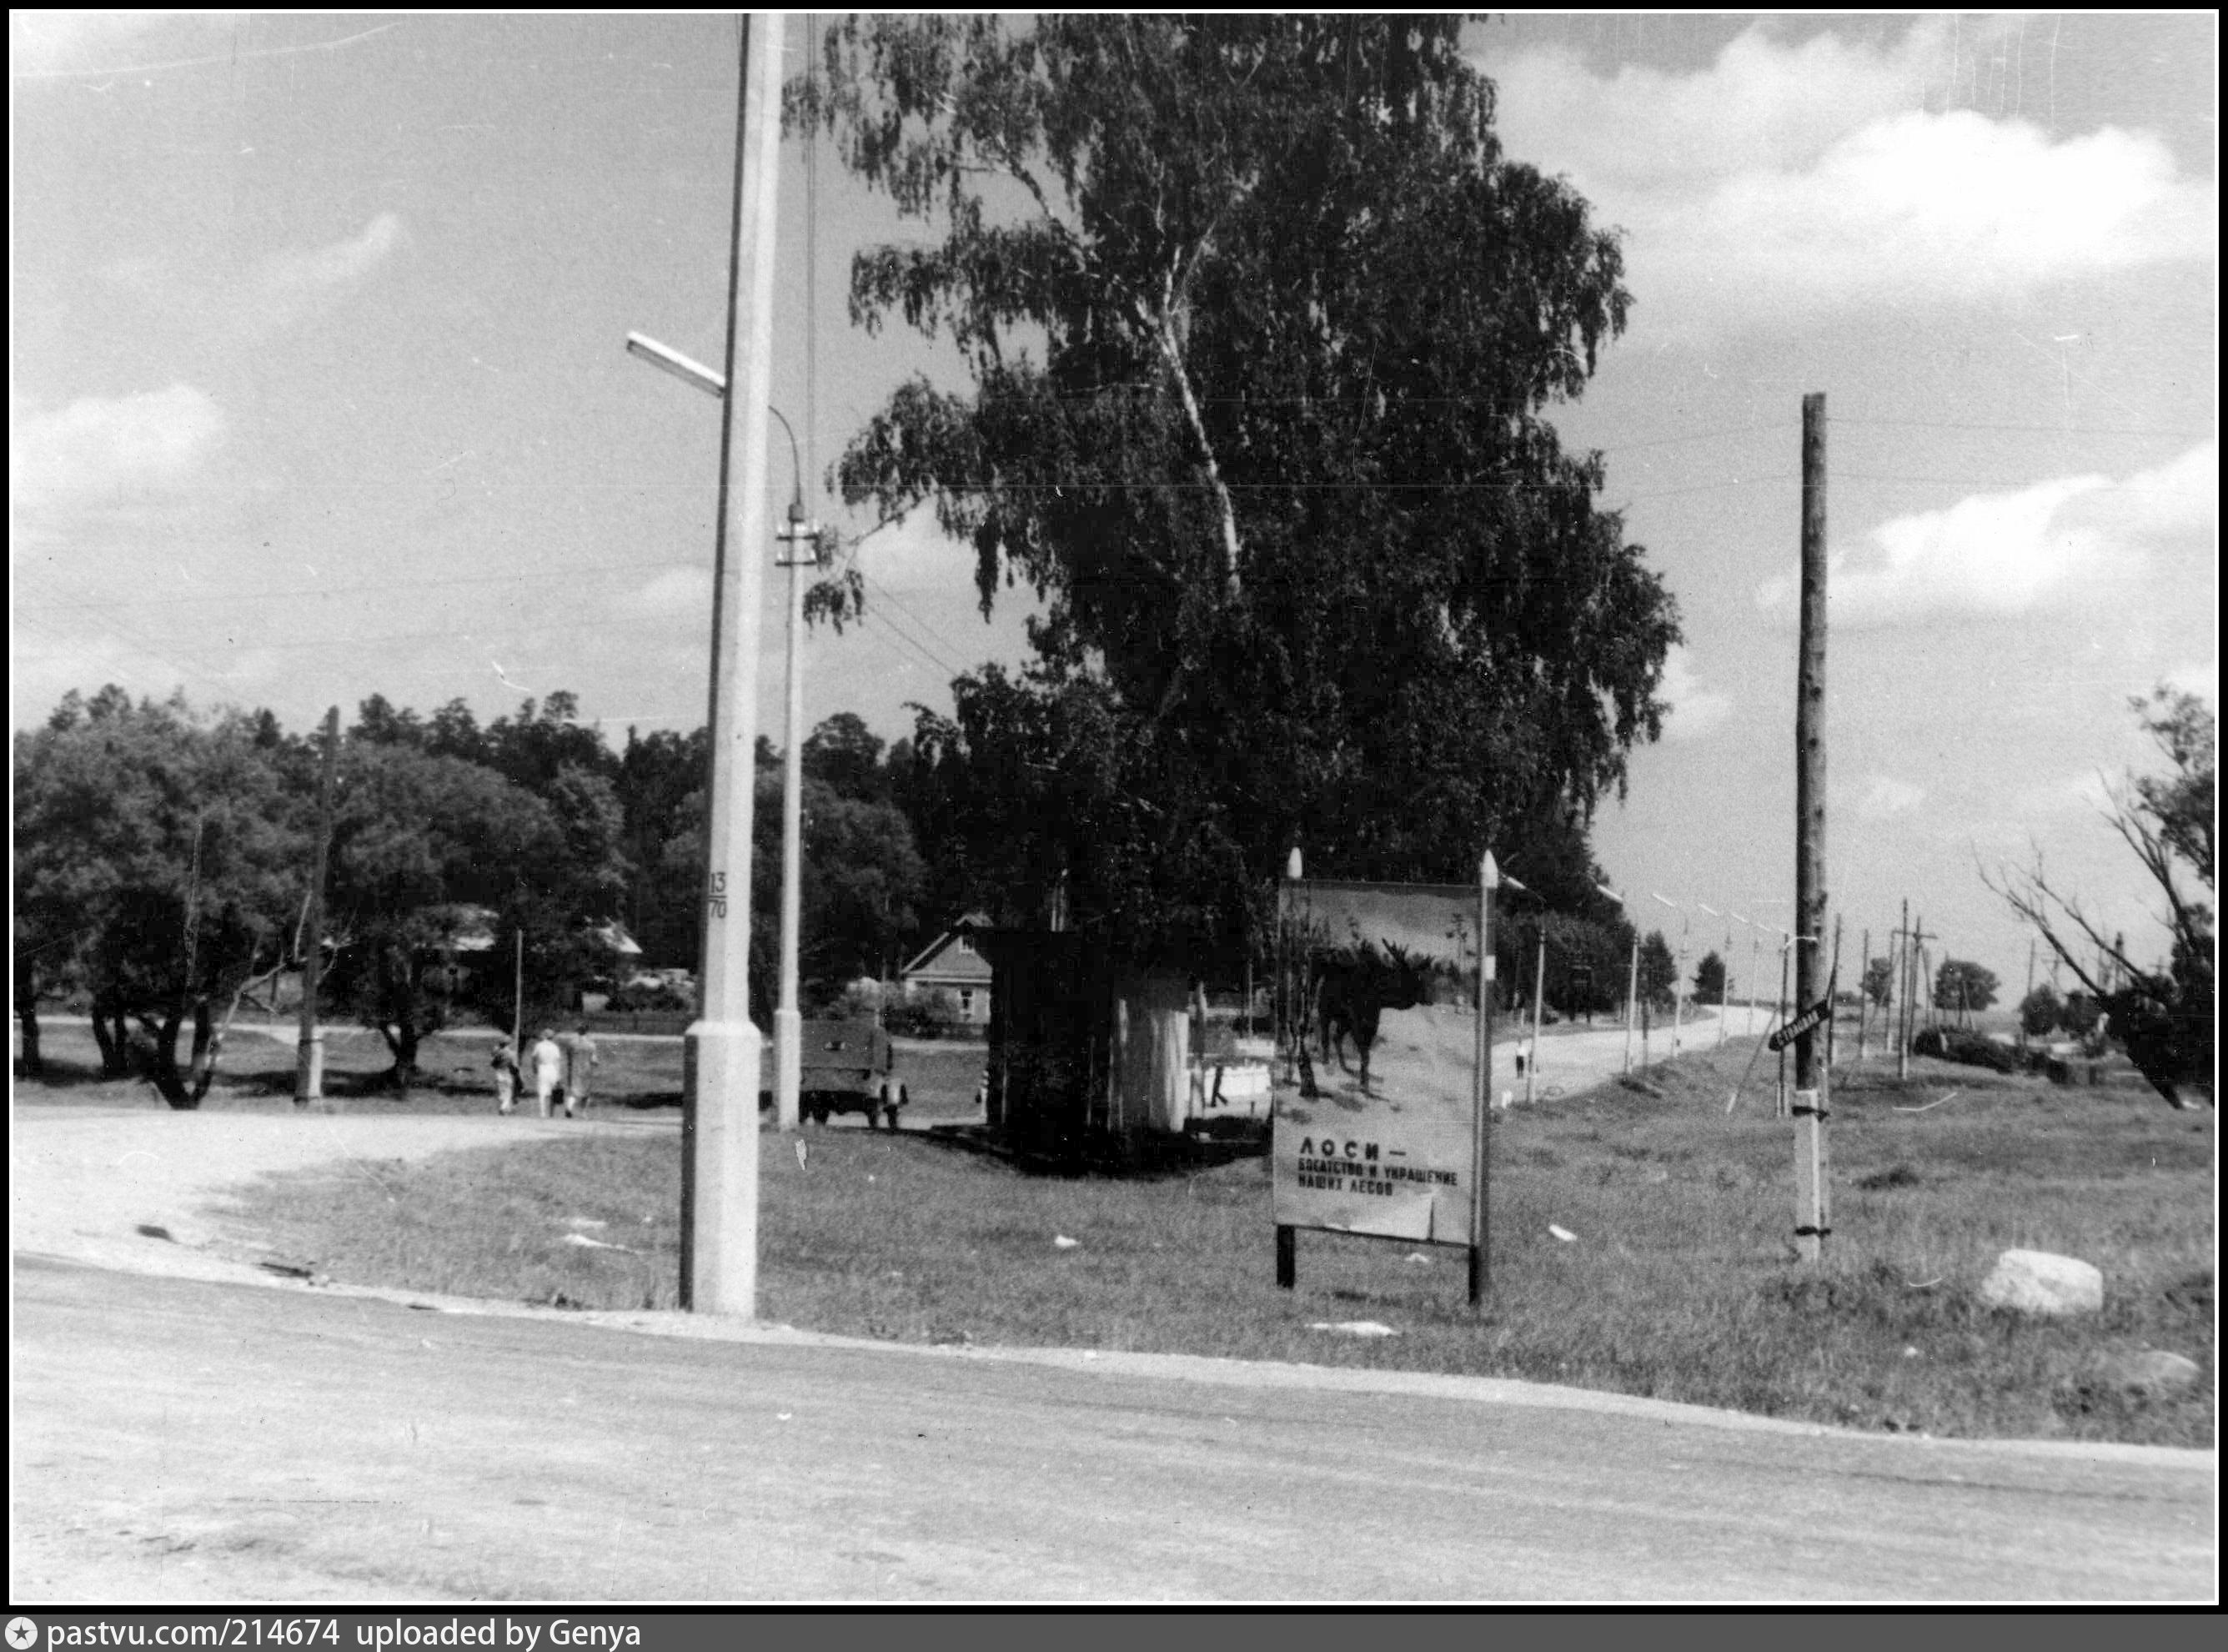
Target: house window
{"x":966,"y":1001}
{"x":963,"y":944}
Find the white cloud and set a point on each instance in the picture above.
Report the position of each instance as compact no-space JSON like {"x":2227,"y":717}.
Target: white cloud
{"x":47,"y":43}
{"x":289,"y":284}
{"x":1695,"y":710}
{"x":2202,"y":681}
{"x":98,"y":451}
{"x":675,"y":593}
{"x":1790,"y":177}
{"x":915,"y":554}
{"x":2087,"y":792}
{"x":1885,"y":796}
{"x":1762,"y":97}
{"x":2060,"y":541}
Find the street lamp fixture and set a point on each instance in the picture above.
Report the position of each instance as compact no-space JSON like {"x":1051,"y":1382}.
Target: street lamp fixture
{"x":802,"y":537}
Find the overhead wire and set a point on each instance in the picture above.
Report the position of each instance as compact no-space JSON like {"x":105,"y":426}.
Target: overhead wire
{"x":386,"y":587}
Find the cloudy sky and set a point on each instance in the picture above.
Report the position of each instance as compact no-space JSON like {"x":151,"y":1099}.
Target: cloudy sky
{"x":317,"y":389}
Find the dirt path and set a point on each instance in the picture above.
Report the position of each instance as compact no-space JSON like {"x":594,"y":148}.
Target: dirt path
{"x":137,"y":1188}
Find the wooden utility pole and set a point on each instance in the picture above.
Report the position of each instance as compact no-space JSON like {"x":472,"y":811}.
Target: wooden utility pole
{"x":1901,"y":1005}
{"x":310,"y":1043}
{"x":1810,"y":839}
{"x":1833,"y":992}
{"x":721,"y":1053}
{"x":1786,"y":951}
{"x":1864,"y":992}
{"x":1753,"y":937}
{"x":1920,"y":987}
{"x":2030,"y":993}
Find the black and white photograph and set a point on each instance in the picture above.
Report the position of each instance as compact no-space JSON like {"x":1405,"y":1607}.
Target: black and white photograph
{"x":1108,"y":811}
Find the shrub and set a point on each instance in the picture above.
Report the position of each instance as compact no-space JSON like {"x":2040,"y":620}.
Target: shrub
{"x":663,"y":998}
{"x":1946,"y":1044}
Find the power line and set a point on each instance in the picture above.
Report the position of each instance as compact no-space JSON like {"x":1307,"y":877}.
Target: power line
{"x":884,"y":593}
{"x":874,"y":612}
{"x":388,"y":587}
{"x":2039,"y":430}
{"x":118,"y":634}
{"x":1992,"y":481}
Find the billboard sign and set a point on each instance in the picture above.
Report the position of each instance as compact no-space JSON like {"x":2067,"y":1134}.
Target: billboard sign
{"x":1377,"y":1131}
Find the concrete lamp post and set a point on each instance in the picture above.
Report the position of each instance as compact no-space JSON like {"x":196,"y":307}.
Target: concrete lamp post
{"x":1714,"y":912}
{"x":1679,"y":984}
{"x":1632,"y":981}
{"x":788,"y":1020}
{"x":1749,"y":1026}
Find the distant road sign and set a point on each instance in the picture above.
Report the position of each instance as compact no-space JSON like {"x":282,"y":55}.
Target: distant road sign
{"x":1803,"y":1024}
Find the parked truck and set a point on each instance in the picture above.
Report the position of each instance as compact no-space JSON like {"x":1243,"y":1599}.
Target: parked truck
{"x":844,"y":1066}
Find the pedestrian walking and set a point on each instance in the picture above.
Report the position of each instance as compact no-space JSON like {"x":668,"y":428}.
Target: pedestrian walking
{"x":506,"y":1076}
{"x":548,"y":1070}
{"x":580,"y":1058}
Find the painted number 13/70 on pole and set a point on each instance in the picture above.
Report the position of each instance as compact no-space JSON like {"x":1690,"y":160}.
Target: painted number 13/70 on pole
{"x":717,"y":901}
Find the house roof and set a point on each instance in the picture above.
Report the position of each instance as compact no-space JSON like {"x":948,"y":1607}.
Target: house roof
{"x":614,"y":935}
{"x":935,"y":949}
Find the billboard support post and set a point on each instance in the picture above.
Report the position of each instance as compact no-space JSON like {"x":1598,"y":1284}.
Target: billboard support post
{"x":1480,"y":1253}
{"x":1287,"y":1236}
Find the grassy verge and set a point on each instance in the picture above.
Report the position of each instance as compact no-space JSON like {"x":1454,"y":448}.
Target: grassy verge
{"x":636,"y":1074}
{"x":1678,"y":1283}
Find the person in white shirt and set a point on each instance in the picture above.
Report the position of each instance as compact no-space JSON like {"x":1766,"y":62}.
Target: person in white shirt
{"x":548,"y":1060}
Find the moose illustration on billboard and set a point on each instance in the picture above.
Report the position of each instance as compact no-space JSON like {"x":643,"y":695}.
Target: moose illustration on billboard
{"x":1352,"y":986}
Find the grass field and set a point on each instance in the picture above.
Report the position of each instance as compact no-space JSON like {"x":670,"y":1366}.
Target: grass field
{"x":1678,"y":1283}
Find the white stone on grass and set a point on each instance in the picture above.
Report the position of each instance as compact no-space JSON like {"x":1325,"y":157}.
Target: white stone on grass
{"x":2037,"y":1283}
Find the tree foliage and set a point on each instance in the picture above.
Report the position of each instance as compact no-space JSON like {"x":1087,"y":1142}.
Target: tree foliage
{"x":158,"y":860}
{"x":1260,"y":325}
{"x":2161,"y":1015}
{"x":2040,"y":1010}
{"x":421,"y":843}
{"x":1962,"y":986}
{"x":1659,"y":970}
{"x":1585,"y":962}
{"x":1710,"y":979}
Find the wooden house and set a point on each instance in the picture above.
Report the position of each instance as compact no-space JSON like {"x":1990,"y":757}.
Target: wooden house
{"x":953,"y":963}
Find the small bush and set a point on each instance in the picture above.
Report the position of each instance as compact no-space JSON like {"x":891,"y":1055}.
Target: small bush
{"x":912,"y":1020}
{"x":1898,"y":1175}
{"x":1946,"y":1044}
{"x":664,"y":998}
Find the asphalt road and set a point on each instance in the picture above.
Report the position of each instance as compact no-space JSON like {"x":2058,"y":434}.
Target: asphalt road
{"x":1574,"y":1058}
{"x":178,"y":1439}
